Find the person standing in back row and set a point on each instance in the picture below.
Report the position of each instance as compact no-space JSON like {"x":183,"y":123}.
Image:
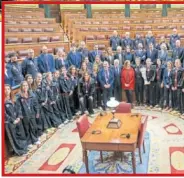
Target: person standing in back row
{"x":46,"y":61}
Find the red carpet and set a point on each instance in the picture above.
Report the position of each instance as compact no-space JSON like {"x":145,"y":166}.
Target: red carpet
{"x":57,"y":158}
{"x":177,"y":160}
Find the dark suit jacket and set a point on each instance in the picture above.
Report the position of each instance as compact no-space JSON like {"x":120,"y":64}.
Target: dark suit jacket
{"x":126,"y":42}
{"x":75,"y":59}
{"x":149,"y":40}
{"x":136,"y":42}
{"x":102,"y":79}
{"x":117,"y":76}
{"x":153,"y":56}
{"x":116,"y":56}
{"x":178,"y":53}
{"x":46,"y":63}
{"x":141,"y":55}
{"x":114,"y":42}
{"x":93,"y":54}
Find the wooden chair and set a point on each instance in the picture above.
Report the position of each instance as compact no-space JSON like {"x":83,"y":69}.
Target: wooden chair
{"x":83,"y":125}
{"x":140,"y":141}
{"x":123,"y":108}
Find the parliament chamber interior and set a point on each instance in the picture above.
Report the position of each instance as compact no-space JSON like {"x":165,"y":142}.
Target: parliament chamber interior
{"x":69,"y":131}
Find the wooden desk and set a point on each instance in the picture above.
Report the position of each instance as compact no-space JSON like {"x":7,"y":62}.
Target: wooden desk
{"x":109,"y":139}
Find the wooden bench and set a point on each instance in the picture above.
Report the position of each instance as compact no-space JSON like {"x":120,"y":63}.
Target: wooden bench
{"x":30,"y":21}
{"x":37,"y":46}
{"x":34,"y":37}
{"x":21,"y":27}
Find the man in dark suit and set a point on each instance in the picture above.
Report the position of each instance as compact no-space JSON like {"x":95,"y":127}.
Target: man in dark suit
{"x":106,"y":79}
{"x":94,"y":53}
{"x":140,"y":53}
{"x":173,"y":38}
{"x":74,"y":57}
{"x":119,"y":55}
{"x":83,"y":50}
{"x":117,"y":80}
{"x":178,"y":52}
{"x":150,"y":39}
{"x":138,"y":40}
{"x":152,"y":53}
{"x":29,"y":65}
{"x":46,"y":61}
{"x":115,"y":41}
{"x":127,"y":41}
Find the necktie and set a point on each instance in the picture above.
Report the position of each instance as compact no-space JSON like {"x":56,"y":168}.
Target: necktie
{"x":175,"y":80}
{"x":47,"y":63}
{"x":86,"y":87}
{"x":117,"y":71}
{"x":106,"y":76}
{"x":158,"y":74}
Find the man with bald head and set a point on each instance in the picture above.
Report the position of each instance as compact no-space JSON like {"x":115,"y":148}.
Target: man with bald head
{"x":173,"y":38}
{"x":29,"y":65}
{"x":115,"y":41}
{"x":46,"y":61}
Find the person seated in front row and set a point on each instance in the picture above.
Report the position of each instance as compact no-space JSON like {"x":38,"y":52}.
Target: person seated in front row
{"x":86,"y":92}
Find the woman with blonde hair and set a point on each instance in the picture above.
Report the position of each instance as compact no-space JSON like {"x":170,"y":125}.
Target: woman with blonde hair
{"x":163,"y":54}
{"x":128,"y":80}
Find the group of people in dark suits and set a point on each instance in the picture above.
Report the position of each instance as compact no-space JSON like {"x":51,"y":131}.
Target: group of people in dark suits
{"x":54,"y":90}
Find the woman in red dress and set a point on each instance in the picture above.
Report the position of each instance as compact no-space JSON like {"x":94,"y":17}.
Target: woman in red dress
{"x":128,"y":80}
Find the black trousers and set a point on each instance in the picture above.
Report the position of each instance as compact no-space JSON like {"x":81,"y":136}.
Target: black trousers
{"x":129,"y":96}
{"x":159,"y":94}
{"x":107,"y":93}
{"x":139,"y":92}
{"x":150,"y":93}
{"x":176,"y":99}
{"x":30,"y":128}
{"x":118,"y":92}
{"x":167,"y":97}
{"x":97,"y":98}
{"x":86,"y":103}
{"x":66,"y":99}
{"x":75,"y":100}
